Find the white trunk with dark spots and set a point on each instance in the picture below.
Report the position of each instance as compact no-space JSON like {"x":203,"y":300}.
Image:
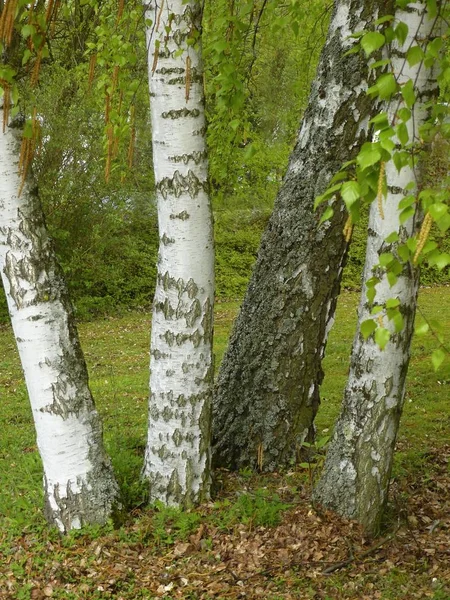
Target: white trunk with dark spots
{"x":177,"y":458}
{"x":268,"y":387}
{"x":355,"y":480}
{"x":79,"y":483}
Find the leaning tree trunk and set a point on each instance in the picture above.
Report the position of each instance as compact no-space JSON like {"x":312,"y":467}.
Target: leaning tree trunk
{"x":80,"y":487}
{"x":355,"y":480}
{"x":268,"y":387}
{"x":177,"y":458}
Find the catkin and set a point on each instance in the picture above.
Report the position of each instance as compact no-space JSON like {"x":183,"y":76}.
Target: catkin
{"x":36,"y":68}
{"x":49,"y":11}
{"x":120,"y":10}
{"x":423,"y":236}
{"x":158,"y":18}
{"x":348,"y":229}
{"x":7,"y":21}
{"x":92,"y":63}
{"x":6,"y":102}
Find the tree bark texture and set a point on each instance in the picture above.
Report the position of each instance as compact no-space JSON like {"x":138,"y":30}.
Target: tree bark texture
{"x":80,"y":487}
{"x":355,"y":480}
{"x":267,"y":392}
{"x":177,"y":459}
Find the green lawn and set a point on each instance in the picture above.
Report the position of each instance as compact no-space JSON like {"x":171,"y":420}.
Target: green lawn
{"x":117,"y":352}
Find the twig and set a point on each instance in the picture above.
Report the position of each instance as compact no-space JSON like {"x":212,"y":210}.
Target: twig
{"x":351,"y":559}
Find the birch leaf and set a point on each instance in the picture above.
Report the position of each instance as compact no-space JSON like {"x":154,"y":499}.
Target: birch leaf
{"x":372,"y":41}
{"x":382,"y":336}
{"x":437,"y":358}
{"x":368,"y":327}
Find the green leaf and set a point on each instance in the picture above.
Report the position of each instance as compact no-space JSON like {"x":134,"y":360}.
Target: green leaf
{"x":27,"y":30}
{"x":371,"y":292}
{"x":382,"y":337}
{"x":404,"y":114}
{"x":353,"y":50}
{"x":406,"y":201}
{"x":401,"y":32}
{"x":414,"y":55}
{"x":340,"y":176}
{"x":404,"y":252}
{"x":369,"y":155}
{"x":401,"y":159}
{"x":442,"y":261}
{"x":350,"y":192}
{"x":422,"y":329}
{"x":386,"y":258}
{"x":382,"y":118}
{"x":434,"y":47}
{"x":392,"y":278}
{"x":392,"y":238}
{"x":323,"y":441}
{"x":438,"y":210}
{"x":408,"y":93}
{"x":406,"y":214}
{"x":384,"y":19}
{"x":372,"y":41}
{"x":432,"y":8}
{"x":380,"y":63}
{"x":328,"y":213}
{"x":392,"y":303}
{"x":397,"y":320}
{"x":384,"y":87}
{"x":367,"y":328}
{"x":402,"y":134}
{"x":437,"y":358}
{"x":444,"y":223}
{"x":327,"y":194}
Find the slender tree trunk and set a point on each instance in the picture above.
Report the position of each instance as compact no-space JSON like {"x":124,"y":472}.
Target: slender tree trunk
{"x":268,"y":387}
{"x":177,"y":458}
{"x":355,"y":480}
{"x":79,"y":483}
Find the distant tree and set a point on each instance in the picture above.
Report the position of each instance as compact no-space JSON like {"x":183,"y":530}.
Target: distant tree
{"x":177,"y":457}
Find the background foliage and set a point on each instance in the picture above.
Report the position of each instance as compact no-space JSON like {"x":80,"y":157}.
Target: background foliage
{"x":105,"y":233}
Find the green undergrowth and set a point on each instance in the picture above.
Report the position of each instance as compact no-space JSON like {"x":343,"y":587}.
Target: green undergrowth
{"x":117,"y":352}
{"x":123,"y":277}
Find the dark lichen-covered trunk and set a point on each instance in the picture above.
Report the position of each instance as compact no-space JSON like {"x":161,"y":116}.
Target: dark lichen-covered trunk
{"x":268,"y":387}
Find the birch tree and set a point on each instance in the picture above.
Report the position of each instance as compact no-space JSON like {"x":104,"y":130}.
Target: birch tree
{"x":268,"y":387}
{"x":177,"y":458}
{"x":79,"y":485}
{"x":356,"y":476}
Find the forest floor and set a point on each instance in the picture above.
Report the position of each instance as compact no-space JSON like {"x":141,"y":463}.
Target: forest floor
{"x":260,"y":537}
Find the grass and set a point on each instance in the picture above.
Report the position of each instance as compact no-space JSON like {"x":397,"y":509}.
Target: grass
{"x":117,"y":352}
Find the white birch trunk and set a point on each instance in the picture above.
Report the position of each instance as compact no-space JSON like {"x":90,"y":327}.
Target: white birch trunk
{"x":79,"y":484}
{"x":355,"y":480}
{"x":177,"y":458}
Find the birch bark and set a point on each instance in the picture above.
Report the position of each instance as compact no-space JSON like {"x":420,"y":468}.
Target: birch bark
{"x":268,"y":387}
{"x":177,"y":458}
{"x":355,"y":480}
{"x":79,"y":483}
